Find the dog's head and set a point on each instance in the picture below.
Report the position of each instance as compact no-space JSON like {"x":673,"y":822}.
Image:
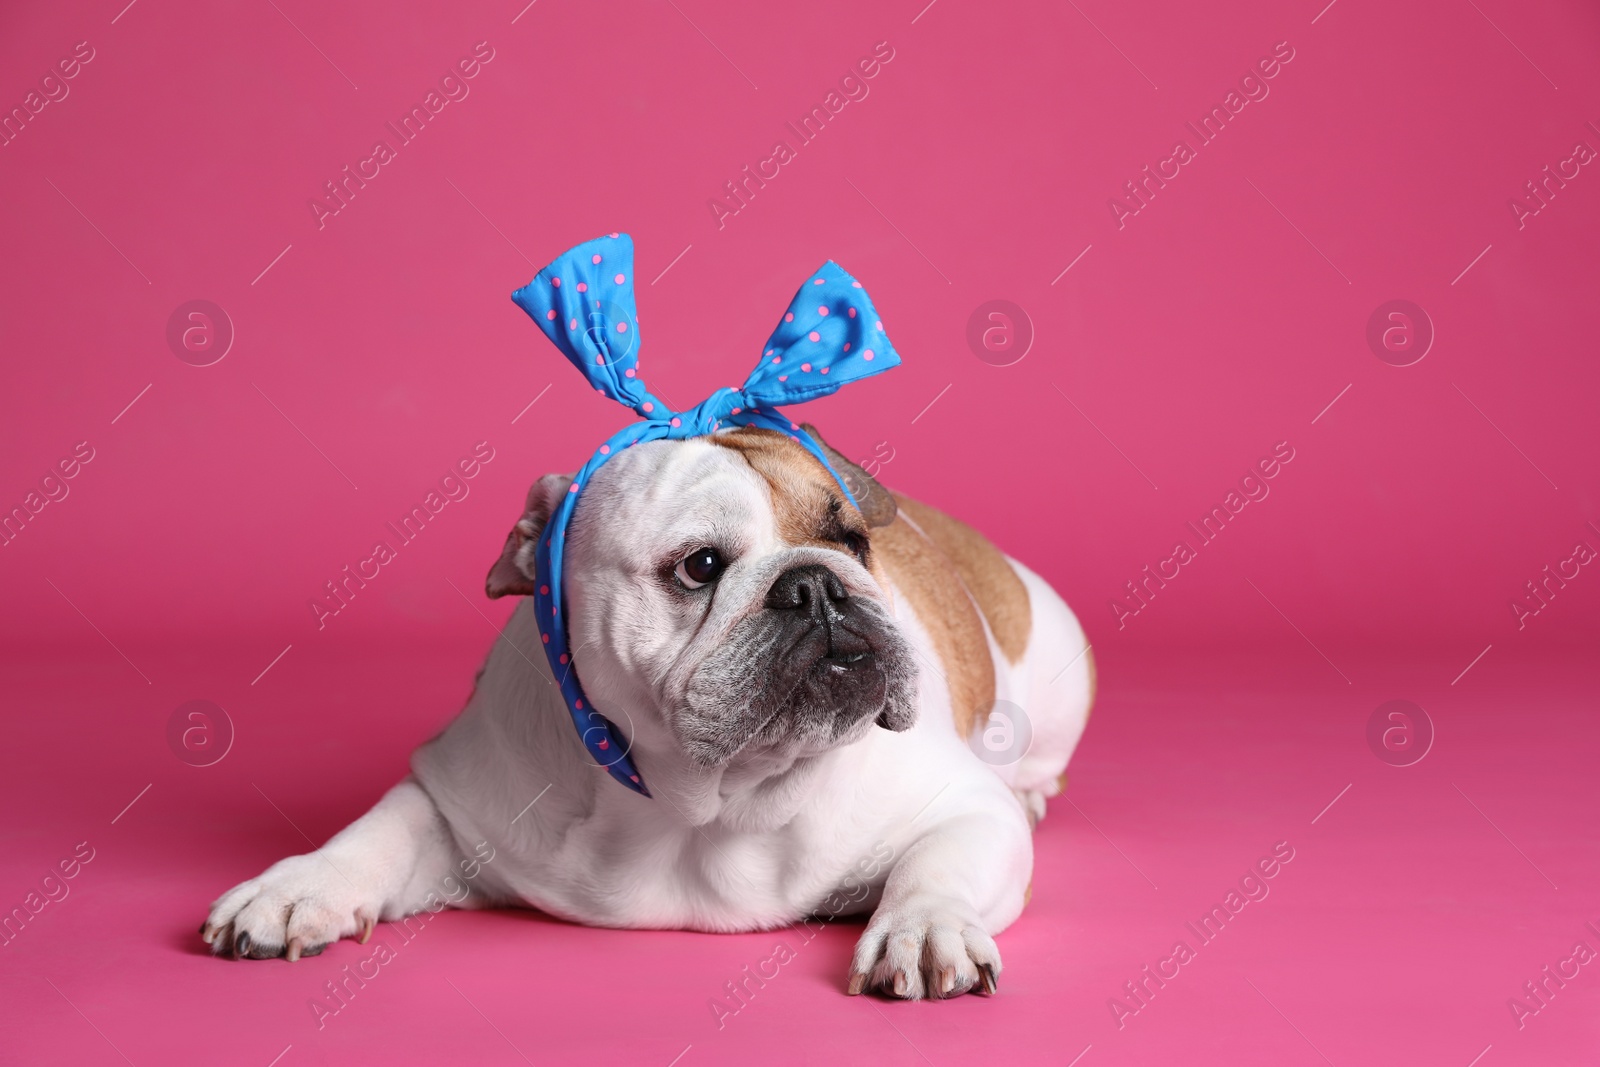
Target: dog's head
{"x":725,"y":587}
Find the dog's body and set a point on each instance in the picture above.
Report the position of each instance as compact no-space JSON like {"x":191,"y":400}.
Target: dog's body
{"x":805,"y":720}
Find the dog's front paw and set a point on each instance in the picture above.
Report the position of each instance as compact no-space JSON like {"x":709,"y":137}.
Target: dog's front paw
{"x":297,"y":907}
{"x":926,"y":947}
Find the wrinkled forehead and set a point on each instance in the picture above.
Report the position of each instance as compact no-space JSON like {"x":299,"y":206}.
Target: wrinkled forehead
{"x":730,"y":486}
{"x":669,"y":490}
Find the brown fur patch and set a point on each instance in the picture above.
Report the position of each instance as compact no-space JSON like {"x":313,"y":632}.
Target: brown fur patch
{"x":803,"y":493}
{"x":943,"y":567}
{"x":926,"y":578}
{"x":1000,"y":594}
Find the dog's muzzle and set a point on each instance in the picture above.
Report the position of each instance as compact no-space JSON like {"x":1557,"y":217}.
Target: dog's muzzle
{"x":809,"y":671}
{"x":814,"y":597}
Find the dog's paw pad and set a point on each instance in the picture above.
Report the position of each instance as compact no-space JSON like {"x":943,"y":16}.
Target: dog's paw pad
{"x":925,"y":948}
{"x":295,"y":909}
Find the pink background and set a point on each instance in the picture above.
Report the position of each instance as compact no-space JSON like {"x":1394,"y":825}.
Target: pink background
{"x":1223,"y":318}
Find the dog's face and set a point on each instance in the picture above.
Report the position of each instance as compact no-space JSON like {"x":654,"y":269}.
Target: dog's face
{"x":726,"y":588}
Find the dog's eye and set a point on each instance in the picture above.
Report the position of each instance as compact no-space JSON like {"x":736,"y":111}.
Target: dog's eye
{"x":857,"y":546}
{"x":700,"y":567}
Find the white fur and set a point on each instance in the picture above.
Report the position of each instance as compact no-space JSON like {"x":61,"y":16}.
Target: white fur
{"x":762,"y":842}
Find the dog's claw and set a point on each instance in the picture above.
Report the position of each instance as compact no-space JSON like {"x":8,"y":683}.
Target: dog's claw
{"x":947,"y":981}
{"x":292,"y":953}
{"x":241,"y":945}
{"x":987,"y":978}
{"x":902,"y":985}
{"x":364,"y":934}
{"x":858,"y":982}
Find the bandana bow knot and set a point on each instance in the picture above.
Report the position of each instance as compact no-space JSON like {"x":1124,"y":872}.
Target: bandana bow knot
{"x":583,"y":301}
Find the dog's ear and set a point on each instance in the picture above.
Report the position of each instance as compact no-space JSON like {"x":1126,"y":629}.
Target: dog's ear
{"x":877,"y":506}
{"x":513,"y":574}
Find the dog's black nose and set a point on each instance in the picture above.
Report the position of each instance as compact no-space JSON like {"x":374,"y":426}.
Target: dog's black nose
{"x":813,"y":589}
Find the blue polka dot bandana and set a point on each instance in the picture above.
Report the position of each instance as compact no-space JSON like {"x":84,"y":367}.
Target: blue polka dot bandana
{"x":829,"y":337}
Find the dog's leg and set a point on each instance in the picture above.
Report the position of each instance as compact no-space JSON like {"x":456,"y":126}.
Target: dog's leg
{"x":391,"y":862}
{"x":951,"y":889}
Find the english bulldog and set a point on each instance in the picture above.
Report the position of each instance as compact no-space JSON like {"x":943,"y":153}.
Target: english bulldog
{"x":806,"y":682}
